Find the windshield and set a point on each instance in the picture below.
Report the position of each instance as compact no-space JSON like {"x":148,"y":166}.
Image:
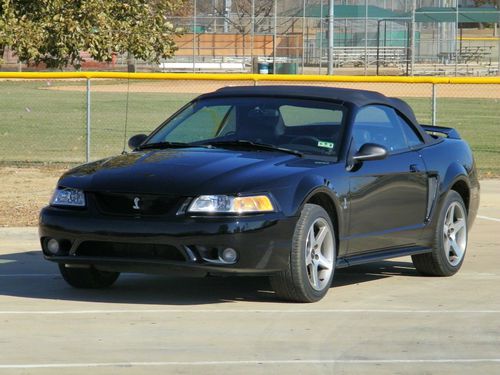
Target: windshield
{"x":305,"y":126}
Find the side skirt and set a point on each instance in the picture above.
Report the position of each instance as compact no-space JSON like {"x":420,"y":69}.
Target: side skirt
{"x":380,"y":255}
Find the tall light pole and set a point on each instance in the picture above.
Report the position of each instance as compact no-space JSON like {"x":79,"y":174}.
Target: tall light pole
{"x":303,"y":34}
{"x":366,"y":36}
{"x":194,"y":36}
{"x":412,"y":36}
{"x":275,"y":34}
{"x":331,"y":5}
{"x":498,"y":46}
{"x":320,"y":33}
{"x":253,"y":31}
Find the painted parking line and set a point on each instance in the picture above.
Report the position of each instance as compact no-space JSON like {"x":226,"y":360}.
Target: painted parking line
{"x":59,"y":275}
{"x":251,"y":362}
{"x":488,"y":218}
{"x":242,"y":311}
{"x":31,"y":275}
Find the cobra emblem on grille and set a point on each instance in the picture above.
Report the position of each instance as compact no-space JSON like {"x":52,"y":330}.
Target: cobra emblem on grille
{"x":136,"y":203}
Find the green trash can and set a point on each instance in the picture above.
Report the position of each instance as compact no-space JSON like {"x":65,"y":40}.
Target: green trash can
{"x":291,"y":68}
{"x":286,"y":68}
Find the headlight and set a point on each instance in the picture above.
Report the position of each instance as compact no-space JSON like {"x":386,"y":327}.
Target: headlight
{"x":229,"y":204}
{"x":68,"y":197}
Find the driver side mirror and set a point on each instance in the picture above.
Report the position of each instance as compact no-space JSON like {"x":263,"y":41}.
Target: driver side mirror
{"x":136,"y":140}
{"x":370,"y":151}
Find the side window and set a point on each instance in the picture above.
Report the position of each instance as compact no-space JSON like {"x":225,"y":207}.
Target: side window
{"x":412,"y":138}
{"x":381,"y":125}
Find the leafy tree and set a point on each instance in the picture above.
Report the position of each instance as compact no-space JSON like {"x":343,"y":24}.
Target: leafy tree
{"x":3,"y":34}
{"x":56,"y":31}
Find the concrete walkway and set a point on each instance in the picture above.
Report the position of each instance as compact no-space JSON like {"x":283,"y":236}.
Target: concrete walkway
{"x":379,"y":318}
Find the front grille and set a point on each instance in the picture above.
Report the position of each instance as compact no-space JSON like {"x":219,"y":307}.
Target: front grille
{"x":135,"y":204}
{"x":129,"y":250}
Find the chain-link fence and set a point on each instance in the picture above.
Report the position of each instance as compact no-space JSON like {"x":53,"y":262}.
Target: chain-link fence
{"x":389,"y":37}
{"x":47,"y":121}
{"x":410,"y":37}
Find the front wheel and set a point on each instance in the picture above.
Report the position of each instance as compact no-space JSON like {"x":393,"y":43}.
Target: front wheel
{"x":312,"y":258}
{"x":450,"y":240}
{"x":87,"y":278}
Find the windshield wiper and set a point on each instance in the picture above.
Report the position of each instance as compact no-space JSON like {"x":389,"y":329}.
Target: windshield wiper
{"x":254,"y":145}
{"x":167,"y":145}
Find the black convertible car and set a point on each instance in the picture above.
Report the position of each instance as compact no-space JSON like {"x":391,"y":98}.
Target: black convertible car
{"x":286,"y":181}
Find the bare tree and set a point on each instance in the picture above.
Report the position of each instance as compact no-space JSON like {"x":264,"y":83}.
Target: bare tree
{"x":242,"y":15}
{"x":239,"y":13}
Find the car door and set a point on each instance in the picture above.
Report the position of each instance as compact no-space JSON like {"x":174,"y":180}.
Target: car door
{"x":388,"y":197}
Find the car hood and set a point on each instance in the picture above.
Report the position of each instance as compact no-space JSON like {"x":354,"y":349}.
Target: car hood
{"x":188,"y":172}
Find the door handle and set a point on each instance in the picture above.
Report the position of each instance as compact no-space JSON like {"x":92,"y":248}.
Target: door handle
{"x":414,"y":168}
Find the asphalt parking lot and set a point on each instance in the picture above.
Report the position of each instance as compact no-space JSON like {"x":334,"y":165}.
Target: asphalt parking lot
{"x":379,"y":318}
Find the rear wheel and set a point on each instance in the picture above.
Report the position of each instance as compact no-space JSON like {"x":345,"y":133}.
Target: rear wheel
{"x":312,"y":258}
{"x":450,"y":241}
{"x":87,"y":278}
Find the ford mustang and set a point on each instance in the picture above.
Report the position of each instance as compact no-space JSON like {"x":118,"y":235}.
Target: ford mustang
{"x":290,"y":182}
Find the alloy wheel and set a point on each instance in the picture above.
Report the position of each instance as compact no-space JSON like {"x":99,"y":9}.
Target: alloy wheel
{"x":455,"y":233}
{"x":319,"y":254}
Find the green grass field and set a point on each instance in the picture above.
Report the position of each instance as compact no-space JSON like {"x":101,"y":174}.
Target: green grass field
{"x":38,"y":125}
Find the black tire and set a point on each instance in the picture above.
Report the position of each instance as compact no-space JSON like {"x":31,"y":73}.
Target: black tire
{"x":293,"y":284}
{"x":87,"y":278}
{"x":437,"y":263}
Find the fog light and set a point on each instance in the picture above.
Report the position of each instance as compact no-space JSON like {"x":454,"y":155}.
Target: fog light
{"x":53,"y":246}
{"x":229,"y":255}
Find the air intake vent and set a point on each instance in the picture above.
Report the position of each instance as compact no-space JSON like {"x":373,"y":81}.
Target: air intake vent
{"x":125,"y":204}
{"x":129,"y":251}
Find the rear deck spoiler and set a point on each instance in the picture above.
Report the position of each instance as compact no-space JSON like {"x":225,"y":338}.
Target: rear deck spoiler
{"x":439,"y":131}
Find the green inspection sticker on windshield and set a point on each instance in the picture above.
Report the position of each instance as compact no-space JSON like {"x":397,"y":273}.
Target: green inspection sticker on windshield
{"x":326,"y":144}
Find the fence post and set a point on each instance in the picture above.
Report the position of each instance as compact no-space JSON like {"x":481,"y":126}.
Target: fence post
{"x":434,"y":104}
{"x":87,"y":149}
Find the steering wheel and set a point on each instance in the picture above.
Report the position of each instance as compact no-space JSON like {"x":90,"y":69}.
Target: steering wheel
{"x":309,"y":140}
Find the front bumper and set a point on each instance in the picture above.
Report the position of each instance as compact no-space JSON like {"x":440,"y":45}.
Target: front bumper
{"x":263,"y":242}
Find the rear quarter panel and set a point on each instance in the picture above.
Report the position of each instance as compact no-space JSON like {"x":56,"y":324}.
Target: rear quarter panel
{"x":451,"y":160}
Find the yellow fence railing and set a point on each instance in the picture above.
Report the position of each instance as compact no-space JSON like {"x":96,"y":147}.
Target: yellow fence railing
{"x":249,"y":77}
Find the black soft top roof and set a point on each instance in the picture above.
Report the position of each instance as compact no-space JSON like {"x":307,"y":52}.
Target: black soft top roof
{"x":356,"y":97}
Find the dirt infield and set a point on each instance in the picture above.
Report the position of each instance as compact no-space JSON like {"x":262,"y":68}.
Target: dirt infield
{"x":24,"y":192}
{"x":202,"y":86}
